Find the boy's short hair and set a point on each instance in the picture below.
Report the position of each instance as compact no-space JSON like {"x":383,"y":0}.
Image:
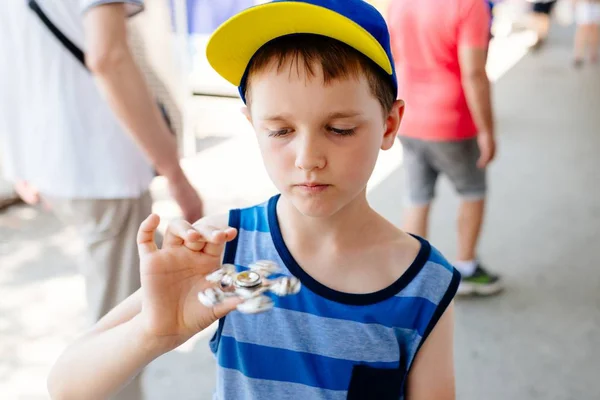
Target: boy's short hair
{"x":336,"y":59}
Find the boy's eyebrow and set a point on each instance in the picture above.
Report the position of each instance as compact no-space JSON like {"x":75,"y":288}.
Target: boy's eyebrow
{"x":344,"y":114}
{"x":277,"y":117}
{"x":333,"y":115}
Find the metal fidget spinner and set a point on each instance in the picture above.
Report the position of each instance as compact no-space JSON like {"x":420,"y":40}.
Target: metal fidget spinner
{"x":251,"y":285}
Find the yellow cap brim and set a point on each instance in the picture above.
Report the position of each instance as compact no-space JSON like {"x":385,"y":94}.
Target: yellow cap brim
{"x":233,"y":44}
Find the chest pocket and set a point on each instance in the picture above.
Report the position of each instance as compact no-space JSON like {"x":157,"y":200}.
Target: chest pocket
{"x":377,"y":383}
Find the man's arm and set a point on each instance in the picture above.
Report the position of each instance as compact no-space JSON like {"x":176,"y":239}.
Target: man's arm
{"x":477,"y":87}
{"x":478,"y":93}
{"x":473,"y":41}
{"x":109,"y":58}
{"x":432,"y":373}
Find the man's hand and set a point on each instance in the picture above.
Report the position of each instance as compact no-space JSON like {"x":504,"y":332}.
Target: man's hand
{"x":186,"y":197}
{"x":172,"y":277}
{"x":27,"y":193}
{"x":487,"y":148}
{"x":30,"y":195}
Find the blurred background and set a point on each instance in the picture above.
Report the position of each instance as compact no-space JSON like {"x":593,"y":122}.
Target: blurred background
{"x":540,"y":339}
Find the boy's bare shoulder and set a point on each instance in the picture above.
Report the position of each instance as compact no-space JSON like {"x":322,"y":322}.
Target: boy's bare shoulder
{"x":396,"y":251}
{"x":395,"y":239}
{"x":405,"y":250}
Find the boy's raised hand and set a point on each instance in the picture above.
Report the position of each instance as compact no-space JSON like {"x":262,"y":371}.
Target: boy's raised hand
{"x":172,"y":277}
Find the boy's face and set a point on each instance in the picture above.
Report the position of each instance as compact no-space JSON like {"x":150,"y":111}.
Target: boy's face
{"x":319,"y":142}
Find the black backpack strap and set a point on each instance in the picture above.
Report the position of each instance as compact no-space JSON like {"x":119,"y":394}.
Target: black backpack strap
{"x":66,"y":42}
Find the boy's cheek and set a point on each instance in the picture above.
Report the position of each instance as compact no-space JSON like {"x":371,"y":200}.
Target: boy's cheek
{"x":358,"y":168}
{"x":275,"y":152}
{"x":269,"y":145}
{"x":277,"y":163}
{"x":357,"y":175}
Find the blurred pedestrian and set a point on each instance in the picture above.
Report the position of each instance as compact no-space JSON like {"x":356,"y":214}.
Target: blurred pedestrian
{"x":441,"y":50}
{"x":541,"y":13}
{"x":587,"y":17}
{"x":86,"y":139}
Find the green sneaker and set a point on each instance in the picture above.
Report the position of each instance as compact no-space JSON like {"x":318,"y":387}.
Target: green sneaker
{"x":480,"y":283}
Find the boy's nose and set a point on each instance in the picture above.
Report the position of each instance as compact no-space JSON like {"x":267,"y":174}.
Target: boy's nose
{"x":309,"y":153}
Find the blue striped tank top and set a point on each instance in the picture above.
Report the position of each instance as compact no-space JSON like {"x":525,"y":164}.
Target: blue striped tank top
{"x":321,"y":343}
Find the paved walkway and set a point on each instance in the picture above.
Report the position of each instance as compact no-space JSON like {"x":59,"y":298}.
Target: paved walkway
{"x":539,"y":340}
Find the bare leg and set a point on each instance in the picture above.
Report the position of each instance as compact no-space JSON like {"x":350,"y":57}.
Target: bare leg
{"x":544,"y":26}
{"x":579,"y":45}
{"x":470,"y":220}
{"x":593,"y":41}
{"x":541,"y":25}
{"x":416,"y":220}
{"x":480,"y":282}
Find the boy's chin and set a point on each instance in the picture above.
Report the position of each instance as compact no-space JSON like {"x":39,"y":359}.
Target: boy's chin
{"x":315,"y":207}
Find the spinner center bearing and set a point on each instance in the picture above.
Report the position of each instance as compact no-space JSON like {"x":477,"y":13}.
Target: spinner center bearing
{"x":247,"y":279}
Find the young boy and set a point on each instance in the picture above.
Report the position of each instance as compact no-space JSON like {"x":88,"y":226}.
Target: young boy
{"x":373,"y":319}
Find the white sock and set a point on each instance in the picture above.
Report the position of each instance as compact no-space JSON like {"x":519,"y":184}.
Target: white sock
{"x":466,"y":268}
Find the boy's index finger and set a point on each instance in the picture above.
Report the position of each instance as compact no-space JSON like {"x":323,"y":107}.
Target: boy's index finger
{"x":220,"y":238}
{"x":193,"y":235}
{"x":181,"y":233}
{"x":230,"y":234}
{"x":210,"y":233}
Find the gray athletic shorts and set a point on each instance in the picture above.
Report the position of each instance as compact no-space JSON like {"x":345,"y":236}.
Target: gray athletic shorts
{"x":457,"y":160}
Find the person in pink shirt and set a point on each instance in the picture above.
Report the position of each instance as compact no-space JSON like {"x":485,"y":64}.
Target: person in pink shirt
{"x":440,"y":48}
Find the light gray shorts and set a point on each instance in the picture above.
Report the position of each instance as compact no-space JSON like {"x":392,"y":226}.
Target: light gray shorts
{"x":457,"y":160}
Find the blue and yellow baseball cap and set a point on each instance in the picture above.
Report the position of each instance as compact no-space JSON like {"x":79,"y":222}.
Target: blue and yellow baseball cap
{"x":353,"y":22}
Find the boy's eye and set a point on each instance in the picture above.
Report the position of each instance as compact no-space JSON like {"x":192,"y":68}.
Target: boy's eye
{"x":280,"y":132}
{"x":342,"y":132}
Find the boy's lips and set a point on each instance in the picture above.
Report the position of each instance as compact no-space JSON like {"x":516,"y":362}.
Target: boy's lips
{"x":312,"y":184}
{"x":312,"y":187}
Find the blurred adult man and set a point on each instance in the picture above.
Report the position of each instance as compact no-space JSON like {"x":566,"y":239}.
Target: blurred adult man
{"x":441,"y":50}
{"x":86,"y":142}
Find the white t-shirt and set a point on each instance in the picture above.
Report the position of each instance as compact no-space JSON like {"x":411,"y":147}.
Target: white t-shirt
{"x":56,"y":130}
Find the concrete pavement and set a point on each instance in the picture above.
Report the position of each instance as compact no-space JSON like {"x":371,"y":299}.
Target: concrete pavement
{"x":539,"y":340}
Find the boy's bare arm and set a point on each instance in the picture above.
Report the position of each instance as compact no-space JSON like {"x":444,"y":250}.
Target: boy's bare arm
{"x":100,"y":363}
{"x":432,"y":373}
{"x":130,"y":336}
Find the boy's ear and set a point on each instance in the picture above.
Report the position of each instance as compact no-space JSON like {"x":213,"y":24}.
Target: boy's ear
{"x":246,"y":111}
{"x":392,"y":123}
